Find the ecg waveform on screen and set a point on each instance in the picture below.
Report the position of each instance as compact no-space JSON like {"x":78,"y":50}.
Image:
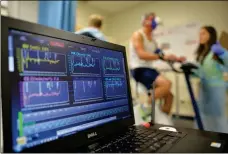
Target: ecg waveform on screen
{"x":113,"y":84}
{"x":44,"y":93}
{"x":112,"y":65}
{"x":84,"y":63}
{"x":40,"y":61}
{"x":46,"y":59}
{"x":87,"y":89}
{"x":115,"y":87}
{"x":85,"y":60}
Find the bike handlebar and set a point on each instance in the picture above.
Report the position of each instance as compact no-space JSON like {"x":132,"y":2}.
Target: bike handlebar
{"x":186,"y":67}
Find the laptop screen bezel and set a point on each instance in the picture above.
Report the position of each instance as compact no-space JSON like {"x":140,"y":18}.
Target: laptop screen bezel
{"x":79,"y":138}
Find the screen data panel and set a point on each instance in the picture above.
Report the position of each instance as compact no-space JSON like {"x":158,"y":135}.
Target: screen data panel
{"x":62,"y":88}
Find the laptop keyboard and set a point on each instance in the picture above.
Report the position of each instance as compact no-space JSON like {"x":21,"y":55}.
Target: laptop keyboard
{"x":139,"y":139}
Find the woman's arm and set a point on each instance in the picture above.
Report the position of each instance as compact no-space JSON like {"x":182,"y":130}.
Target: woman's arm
{"x":224,"y":57}
{"x":221,"y":52}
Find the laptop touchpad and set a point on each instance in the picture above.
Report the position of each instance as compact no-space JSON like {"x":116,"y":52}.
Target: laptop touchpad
{"x":192,"y":143}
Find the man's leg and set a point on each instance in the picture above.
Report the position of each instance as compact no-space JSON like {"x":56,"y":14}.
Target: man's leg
{"x":162,"y":87}
{"x":167,"y":106}
{"x":162,"y":91}
{"x":148,"y":76}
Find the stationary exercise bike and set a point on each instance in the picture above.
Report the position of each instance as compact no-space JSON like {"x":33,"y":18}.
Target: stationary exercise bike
{"x":187,"y":69}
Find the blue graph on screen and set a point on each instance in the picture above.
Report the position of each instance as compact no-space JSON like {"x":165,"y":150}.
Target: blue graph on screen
{"x":45,"y":62}
{"x":41,"y":93}
{"x":87,"y":89}
{"x":83,"y":63}
{"x":115,"y":87}
{"x":112,"y":65}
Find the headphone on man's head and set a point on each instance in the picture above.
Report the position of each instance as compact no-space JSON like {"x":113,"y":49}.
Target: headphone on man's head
{"x":157,"y":20}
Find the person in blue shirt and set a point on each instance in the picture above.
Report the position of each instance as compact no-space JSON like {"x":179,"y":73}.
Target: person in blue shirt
{"x":212,"y":59}
{"x":94,"y":28}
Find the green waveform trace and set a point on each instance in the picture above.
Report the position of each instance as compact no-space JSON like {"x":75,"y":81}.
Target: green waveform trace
{"x":38,"y":60}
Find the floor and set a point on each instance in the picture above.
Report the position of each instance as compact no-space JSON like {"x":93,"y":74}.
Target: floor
{"x":164,"y":119}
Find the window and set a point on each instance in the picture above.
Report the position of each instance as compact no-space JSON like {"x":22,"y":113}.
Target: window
{"x":4,"y":8}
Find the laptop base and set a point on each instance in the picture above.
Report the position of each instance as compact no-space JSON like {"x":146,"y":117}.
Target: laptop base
{"x":138,"y":139}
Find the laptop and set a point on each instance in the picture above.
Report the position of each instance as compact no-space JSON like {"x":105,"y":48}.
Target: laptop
{"x":63,"y":92}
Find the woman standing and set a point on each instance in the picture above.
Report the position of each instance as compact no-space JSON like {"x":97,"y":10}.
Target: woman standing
{"x":212,"y":59}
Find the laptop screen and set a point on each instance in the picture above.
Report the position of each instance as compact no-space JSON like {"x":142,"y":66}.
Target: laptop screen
{"x":62,"y":88}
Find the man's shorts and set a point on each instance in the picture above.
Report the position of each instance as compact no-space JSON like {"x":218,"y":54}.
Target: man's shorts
{"x":146,"y":76}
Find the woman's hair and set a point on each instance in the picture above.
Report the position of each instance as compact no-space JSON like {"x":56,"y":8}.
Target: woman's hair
{"x":204,"y":49}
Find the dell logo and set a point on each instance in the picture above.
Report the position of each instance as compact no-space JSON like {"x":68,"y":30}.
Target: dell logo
{"x":93,"y":134}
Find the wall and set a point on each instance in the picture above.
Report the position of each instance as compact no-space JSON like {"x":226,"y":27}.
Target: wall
{"x":173,"y":13}
{"x":123,"y":24}
{"x":25,"y":10}
{"x":28,"y":10}
{"x":83,"y":13}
